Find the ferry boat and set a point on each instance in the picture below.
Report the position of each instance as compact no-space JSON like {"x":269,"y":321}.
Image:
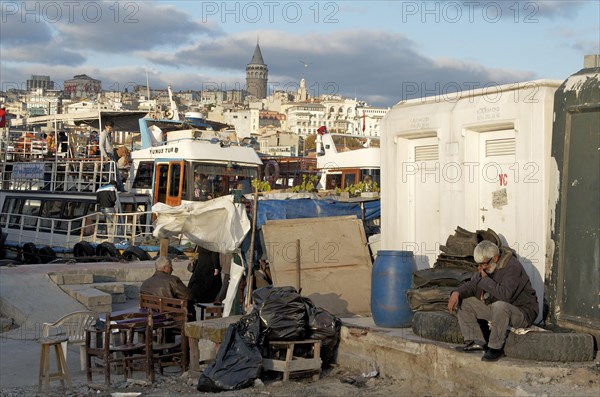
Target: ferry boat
{"x":342,"y":168}
{"x":48,"y":204}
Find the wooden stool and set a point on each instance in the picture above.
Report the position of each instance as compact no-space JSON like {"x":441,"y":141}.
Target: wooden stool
{"x":62,"y":373}
{"x":292,"y":363}
{"x":210,"y":309}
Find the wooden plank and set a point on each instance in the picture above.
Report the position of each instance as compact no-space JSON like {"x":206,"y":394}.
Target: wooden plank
{"x":297,"y":364}
{"x":164,"y":247}
{"x":336,"y":263}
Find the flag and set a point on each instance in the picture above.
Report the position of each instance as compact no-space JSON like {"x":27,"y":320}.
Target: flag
{"x":322,"y":130}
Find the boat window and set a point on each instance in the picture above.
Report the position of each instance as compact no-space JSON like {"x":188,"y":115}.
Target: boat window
{"x":12,"y":207}
{"x":373,"y":173}
{"x":215,"y":180}
{"x":50,"y":209}
{"x":221,"y":169}
{"x":350,"y":178}
{"x":143,"y":177}
{"x":333,"y":181}
{"x":31,"y":210}
{"x":74,"y":210}
{"x":175,"y":179}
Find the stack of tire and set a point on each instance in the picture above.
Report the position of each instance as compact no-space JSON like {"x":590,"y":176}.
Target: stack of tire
{"x":431,"y":288}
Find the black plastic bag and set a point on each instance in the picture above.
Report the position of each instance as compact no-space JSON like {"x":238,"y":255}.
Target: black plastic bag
{"x":282,"y":313}
{"x":238,"y":362}
{"x":325,"y":327}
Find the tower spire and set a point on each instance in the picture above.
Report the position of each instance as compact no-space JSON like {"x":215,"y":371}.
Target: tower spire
{"x":257,"y":74}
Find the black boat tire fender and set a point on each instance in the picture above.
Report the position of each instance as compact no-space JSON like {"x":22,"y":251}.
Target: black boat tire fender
{"x":173,"y":252}
{"x":83,"y":249}
{"x":46,"y":254}
{"x":107,"y":249}
{"x":134,"y":253}
{"x":30,"y":254}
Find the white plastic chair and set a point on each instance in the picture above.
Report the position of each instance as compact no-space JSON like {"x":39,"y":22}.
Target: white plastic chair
{"x":73,"y":326}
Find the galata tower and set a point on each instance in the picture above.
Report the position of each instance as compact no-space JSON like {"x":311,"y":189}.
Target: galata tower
{"x":257,"y":75}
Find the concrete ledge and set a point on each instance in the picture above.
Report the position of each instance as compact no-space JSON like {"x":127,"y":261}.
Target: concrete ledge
{"x":110,"y":288}
{"x":71,"y":278}
{"x":91,"y":298}
{"x":435,"y":368}
{"x":132,"y":290}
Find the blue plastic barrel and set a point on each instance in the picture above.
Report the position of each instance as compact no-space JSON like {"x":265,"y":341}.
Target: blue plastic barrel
{"x":391,"y":277}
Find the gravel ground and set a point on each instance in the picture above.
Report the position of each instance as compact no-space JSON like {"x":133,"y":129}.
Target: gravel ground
{"x":334,"y":382}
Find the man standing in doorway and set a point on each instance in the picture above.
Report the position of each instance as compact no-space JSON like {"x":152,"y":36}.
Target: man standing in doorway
{"x":108,"y":152}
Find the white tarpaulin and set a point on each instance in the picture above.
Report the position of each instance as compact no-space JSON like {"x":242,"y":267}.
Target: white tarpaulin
{"x":217,"y":225}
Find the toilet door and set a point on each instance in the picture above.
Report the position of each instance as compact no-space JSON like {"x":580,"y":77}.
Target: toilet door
{"x":498,"y":177}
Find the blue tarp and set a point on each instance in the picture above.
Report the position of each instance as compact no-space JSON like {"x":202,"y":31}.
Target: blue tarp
{"x":309,"y":208}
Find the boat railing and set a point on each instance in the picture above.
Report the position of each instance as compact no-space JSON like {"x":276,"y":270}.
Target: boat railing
{"x":24,"y":148}
{"x":125,"y":228}
{"x":76,"y":175}
{"x":222,"y":141}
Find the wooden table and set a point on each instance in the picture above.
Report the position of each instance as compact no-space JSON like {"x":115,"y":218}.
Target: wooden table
{"x":212,"y":329}
{"x":209,"y":310}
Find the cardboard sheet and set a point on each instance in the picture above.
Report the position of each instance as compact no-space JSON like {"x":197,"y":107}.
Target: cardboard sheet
{"x":334,"y":263}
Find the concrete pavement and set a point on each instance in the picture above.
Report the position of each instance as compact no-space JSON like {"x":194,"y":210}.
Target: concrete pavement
{"x":31,"y":296}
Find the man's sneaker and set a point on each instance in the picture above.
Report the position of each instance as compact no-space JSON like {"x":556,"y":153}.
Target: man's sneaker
{"x":471,"y":347}
{"x":493,"y":355}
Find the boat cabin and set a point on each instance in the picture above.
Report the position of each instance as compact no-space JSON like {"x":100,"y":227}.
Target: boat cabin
{"x":180,"y":162}
{"x":345,"y":160}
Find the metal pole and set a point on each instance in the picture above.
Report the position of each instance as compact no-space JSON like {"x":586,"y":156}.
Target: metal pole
{"x":249,"y":286}
{"x":298,"y":273}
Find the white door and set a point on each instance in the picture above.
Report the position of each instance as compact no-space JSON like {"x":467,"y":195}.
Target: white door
{"x":424,"y":193}
{"x":498,"y":179}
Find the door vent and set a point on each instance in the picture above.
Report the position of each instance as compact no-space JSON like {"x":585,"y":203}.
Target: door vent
{"x":500,"y":147}
{"x":426,"y":153}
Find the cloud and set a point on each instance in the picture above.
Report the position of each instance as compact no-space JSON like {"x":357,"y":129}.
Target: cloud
{"x":105,"y":27}
{"x":373,"y":65}
{"x":50,"y":54}
{"x":15,"y":32}
{"x":138,"y":26}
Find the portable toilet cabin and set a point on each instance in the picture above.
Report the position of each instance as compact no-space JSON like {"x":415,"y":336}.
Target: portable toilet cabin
{"x":476,"y":159}
{"x":573,"y":284}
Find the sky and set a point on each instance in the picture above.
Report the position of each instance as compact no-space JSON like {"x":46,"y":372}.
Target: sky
{"x":381,"y":52}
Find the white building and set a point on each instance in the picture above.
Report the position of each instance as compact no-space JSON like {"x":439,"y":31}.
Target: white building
{"x":280,"y":143}
{"x":40,"y":102}
{"x":369,"y":120}
{"x":303,"y":118}
{"x":212,"y":97}
{"x":479,"y":159}
{"x":245,"y":121}
{"x":82,"y":86}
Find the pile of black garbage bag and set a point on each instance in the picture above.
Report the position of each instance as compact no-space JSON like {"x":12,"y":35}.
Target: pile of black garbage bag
{"x":279,"y":313}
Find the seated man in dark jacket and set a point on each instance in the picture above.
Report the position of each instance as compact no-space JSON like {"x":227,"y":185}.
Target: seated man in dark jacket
{"x":501,"y":293}
{"x":163,"y":283}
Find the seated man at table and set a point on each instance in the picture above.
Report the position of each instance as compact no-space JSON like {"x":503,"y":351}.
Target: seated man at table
{"x":163,"y":283}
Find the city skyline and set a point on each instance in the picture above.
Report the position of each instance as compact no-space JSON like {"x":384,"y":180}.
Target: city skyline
{"x":377,"y":51}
